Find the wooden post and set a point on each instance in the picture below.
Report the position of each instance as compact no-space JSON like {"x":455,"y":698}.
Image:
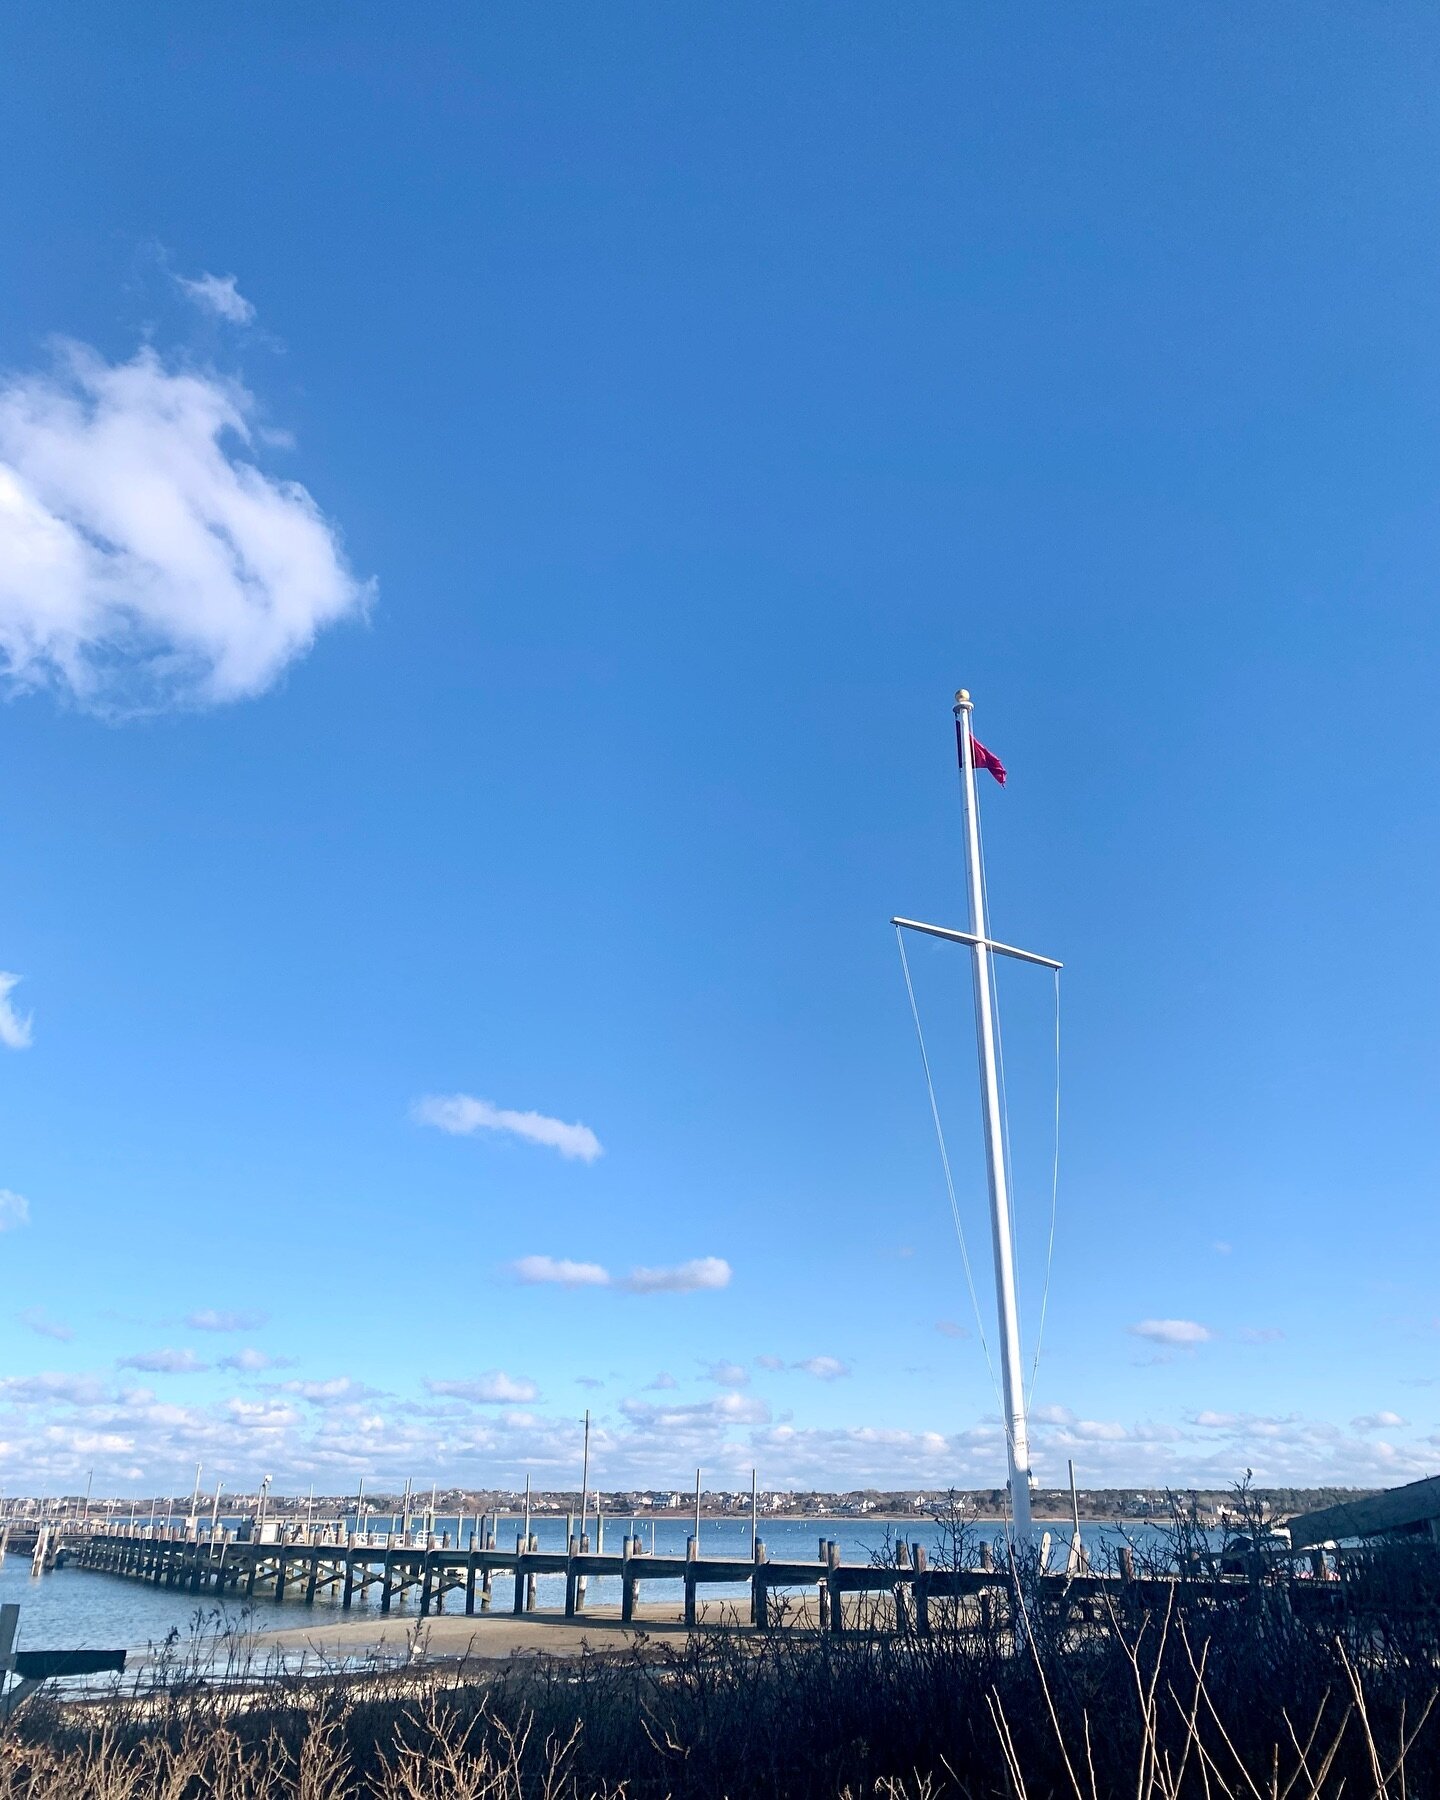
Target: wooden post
{"x":520,"y":1547}
{"x":582,"y":1581}
{"x":349,"y":1596}
{"x":570,"y":1577}
{"x":692,"y":1553}
{"x":313,"y":1577}
{"x":921,"y":1589}
{"x":387,"y":1586}
{"x":427,"y":1563}
{"x":837,"y":1600}
{"x":280,"y":1572}
{"x":903,"y":1608}
{"x":486,"y":1595}
{"x":1127,"y":1563}
{"x":627,"y":1581}
{"x":471,"y":1570}
{"x":531,"y":1578}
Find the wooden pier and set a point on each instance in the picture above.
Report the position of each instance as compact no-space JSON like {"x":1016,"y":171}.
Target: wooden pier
{"x":303,"y":1563}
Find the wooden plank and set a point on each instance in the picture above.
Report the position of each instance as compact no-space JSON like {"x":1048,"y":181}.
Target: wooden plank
{"x":1408,"y":1508}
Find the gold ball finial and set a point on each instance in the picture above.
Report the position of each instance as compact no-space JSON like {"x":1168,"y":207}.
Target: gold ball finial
{"x":962,"y":700}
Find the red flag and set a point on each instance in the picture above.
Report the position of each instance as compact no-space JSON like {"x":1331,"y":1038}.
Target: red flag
{"x":984,"y":759}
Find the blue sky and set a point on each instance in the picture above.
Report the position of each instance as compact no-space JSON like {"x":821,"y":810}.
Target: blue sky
{"x":682,"y":403}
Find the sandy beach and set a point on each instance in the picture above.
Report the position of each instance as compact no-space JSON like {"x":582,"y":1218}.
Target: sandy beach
{"x":485,"y":1637}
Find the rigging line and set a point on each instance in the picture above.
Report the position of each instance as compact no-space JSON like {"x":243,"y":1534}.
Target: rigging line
{"x":1054,"y":1199}
{"x":945,"y":1165}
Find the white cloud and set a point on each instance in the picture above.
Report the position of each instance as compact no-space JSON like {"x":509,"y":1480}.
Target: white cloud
{"x":251,"y":1361}
{"x":704,"y":1272}
{"x":219,"y":294}
{"x":1172,"y":1331}
{"x":1100,"y":1431}
{"x":727,"y":1374}
{"x":14,"y":1031}
{"x":49,"y":1384}
{"x":663,"y":1380}
{"x":1221,"y":1248}
{"x":1378,"y":1421}
{"x":559,"y":1271}
{"x":14,"y":1210}
{"x":770,"y":1362}
{"x":461,"y":1114}
{"x":823,"y":1368}
{"x":208,"y":1319}
{"x":163,"y":1362}
{"x":494,"y":1387}
{"x":145,"y":562}
{"x":35,"y":1319}
{"x":339,"y":1388}
{"x":951,"y":1329}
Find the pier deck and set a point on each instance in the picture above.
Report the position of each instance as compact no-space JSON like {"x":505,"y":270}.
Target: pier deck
{"x":304,"y":1563}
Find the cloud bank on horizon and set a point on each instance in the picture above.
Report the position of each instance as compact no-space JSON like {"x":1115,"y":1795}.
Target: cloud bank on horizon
{"x":58,"y":1425}
{"x":146,"y":561}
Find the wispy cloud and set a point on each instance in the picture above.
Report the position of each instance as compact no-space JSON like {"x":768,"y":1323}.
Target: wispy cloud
{"x":148,"y":562}
{"x":1261,"y":1334}
{"x":493,"y":1388}
{"x":251,"y":1361}
{"x":34,"y":1318}
{"x":1221,"y":1248}
{"x":1172,"y":1331}
{"x":663,"y":1380}
{"x":823,"y":1368}
{"x":462,"y":1114}
{"x":702,"y":1274}
{"x":14,"y":1210}
{"x":219,"y":294}
{"x":163,"y":1362}
{"x":1378,"y":1421}
{"x":15,"y":1031}
{"x":951,"y":1328}
{"x":770,"y":1362}
{"x":559,"y":1271}
{"x":207,"y":1318}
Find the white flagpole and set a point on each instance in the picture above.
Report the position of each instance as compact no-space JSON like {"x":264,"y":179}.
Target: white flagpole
{"x":1017,"y":1439}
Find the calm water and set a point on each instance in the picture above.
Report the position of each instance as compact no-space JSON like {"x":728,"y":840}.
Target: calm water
{"x":78,"y":1609}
